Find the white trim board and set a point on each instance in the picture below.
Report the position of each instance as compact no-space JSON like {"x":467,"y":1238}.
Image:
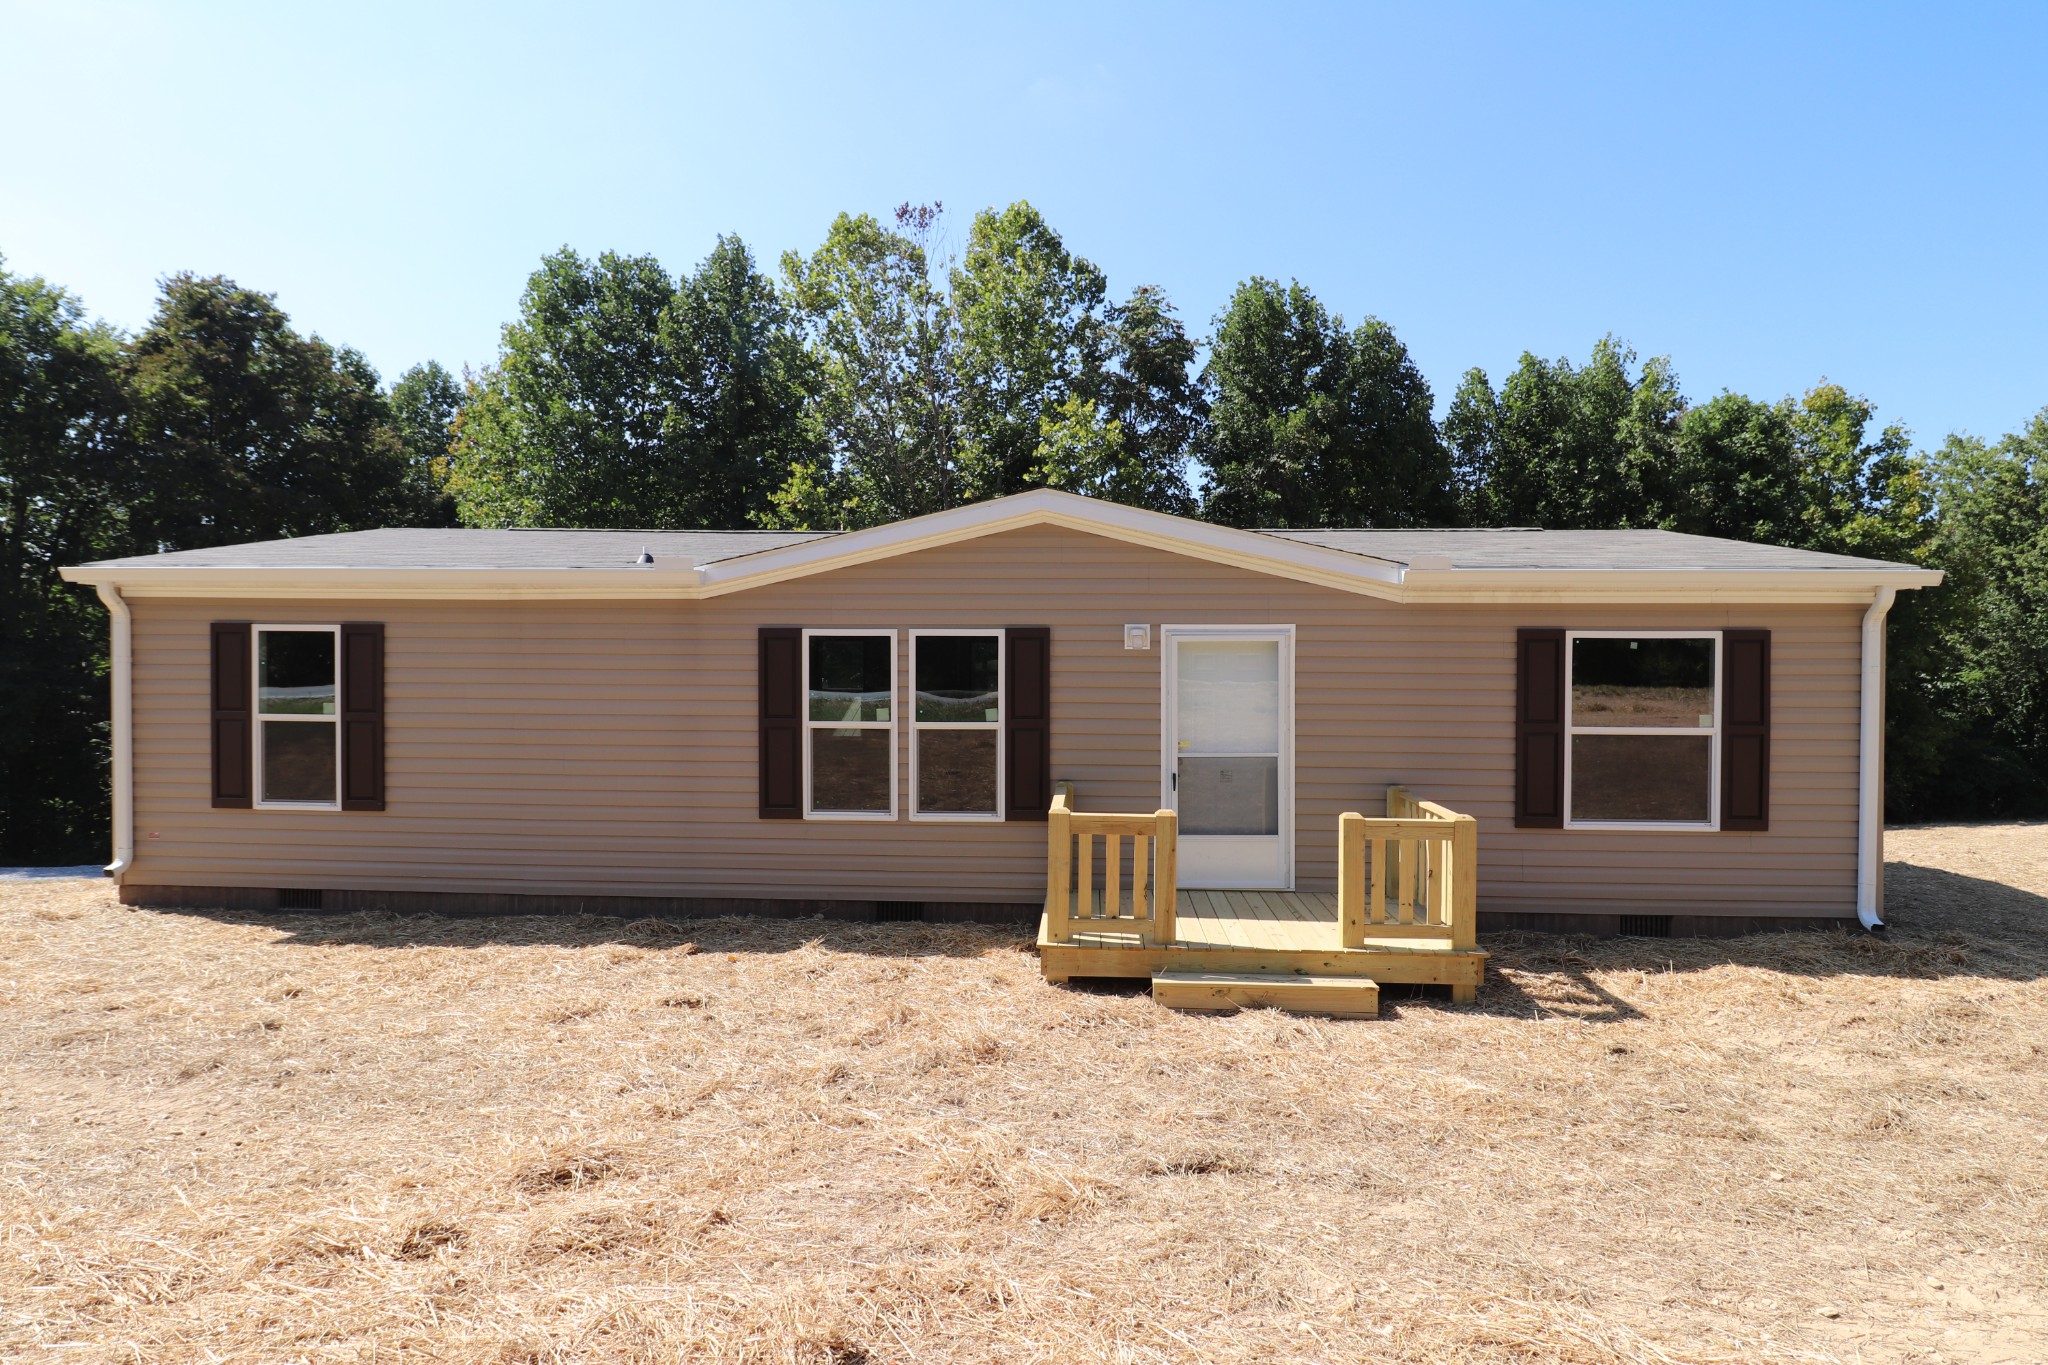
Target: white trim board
{"x":1713,"y":736}
{"x":260,"y":719}
{"x":1169,"y":756}
{"x":892,"y":725}
{"x":918,"y":728}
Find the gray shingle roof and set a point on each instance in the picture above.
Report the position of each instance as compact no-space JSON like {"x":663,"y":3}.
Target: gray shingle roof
{"x":1532,"y":549}
{"x":560,"y":549}
{"x":474,"y":549}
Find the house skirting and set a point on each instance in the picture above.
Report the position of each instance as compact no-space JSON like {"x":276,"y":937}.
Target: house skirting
{"x":1659,"y":926}
{"x":272,"y":900}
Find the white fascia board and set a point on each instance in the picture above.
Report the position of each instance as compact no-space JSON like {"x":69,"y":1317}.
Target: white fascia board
{"x":1045,"y":507}
{"x":396,"y":584}
{"x":1676,"y":585}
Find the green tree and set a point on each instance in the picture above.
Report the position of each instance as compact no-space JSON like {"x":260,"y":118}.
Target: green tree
{"x":64,"y":477}
{"x":1316,"y":425}
{"x":1133,"y":444}
{"x":566,"y":428}
{"x":1032,"y":337}
{"x":1736,"y":472}
{"x":244,"y":430}
{"x":737,"y":424}
{"x":425,"y":402}
{"x":881,"y":336}
{"x":1866,"y":495}
{"x":1081,"y":449}
{"x":1567,"y":447}
{"x":1802,"y":472}
{"x":1976,"y":666}
{"x":624,"y":398}
{"x":1153,"y":392}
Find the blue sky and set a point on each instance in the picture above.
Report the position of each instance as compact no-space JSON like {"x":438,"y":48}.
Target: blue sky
{"x":1768,"y":194}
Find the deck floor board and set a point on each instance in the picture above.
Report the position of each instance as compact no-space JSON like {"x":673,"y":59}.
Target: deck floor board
{"x":1268,"y":932}
{"x":1252,"y":921}
{"x":1285,"y":921}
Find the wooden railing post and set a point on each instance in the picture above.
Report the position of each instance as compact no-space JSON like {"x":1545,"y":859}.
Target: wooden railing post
{"x":1084,"y":873}
{"x":1141,"y":858}
{"x":1059,"y":866}
{"x":1350,"y":880}
{"x":1464,"y":896}
{"x":1166,"y":877}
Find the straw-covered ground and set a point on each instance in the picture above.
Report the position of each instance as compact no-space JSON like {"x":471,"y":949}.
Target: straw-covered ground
{"x":294,"y":1137}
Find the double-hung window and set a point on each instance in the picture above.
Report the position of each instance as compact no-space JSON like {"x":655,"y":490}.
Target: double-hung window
{"x":298,"y":733}
{"x":956,"y":724}
{"x":850,"y":724}
{"x":1642,"y":737}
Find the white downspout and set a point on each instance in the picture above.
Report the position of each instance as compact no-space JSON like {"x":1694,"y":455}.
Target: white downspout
{"x":123,"y":736}
{"x":1870,"y":767}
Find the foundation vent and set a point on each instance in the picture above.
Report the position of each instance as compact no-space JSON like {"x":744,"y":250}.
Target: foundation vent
{"x":1645,"y":926}
{"x":899,"y":912}
{"x":293,"y":899}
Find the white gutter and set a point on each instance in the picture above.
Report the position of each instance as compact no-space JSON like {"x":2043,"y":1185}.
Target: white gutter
{"x":1870,"y":767}
{"x":123,"y":737}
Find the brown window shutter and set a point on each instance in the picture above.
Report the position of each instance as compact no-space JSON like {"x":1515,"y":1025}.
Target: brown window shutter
{"x":1539,"y":730}
{"x":1027,"y":722}
{"x":231,"y":707}
{"x":362,"y":716}
{"x":782,"y":723}
{"x":1746,"y":730}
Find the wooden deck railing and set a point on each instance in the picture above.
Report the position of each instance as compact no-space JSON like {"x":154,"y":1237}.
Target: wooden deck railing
{"x":1411,"y":874}
{"x":1134,"y":894}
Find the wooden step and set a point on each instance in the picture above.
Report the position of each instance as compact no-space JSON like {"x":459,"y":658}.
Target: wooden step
{"x":1340,"y":997}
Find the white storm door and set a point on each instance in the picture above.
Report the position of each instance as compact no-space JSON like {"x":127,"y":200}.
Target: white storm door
{"x":1229,"y":761}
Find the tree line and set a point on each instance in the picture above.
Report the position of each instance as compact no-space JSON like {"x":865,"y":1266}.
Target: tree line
{"x":882,"y":375}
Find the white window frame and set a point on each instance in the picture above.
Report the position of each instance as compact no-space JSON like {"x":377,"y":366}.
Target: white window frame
{"x":895,"y":716}
{"x":1571,"y":730}
{"x":258,"y":719}
{"x":1000,"y":726}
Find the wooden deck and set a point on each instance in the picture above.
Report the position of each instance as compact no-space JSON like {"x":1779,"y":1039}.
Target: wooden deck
{"x":1287,"y":933}
{"x":1404,"y":912}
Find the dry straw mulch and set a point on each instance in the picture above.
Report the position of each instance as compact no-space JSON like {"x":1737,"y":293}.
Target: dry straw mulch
{"x":295,"y":1137}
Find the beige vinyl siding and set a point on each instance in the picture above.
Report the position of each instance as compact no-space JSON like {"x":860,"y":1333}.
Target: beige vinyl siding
{"x":609,"y":748}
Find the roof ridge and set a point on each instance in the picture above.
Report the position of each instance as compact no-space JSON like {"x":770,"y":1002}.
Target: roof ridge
{"x":1399,"y":530}
{"x":632,"y":530}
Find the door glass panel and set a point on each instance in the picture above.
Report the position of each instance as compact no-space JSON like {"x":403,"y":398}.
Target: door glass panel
{"x":1230,"y":795}
{"x":1227,"y":697}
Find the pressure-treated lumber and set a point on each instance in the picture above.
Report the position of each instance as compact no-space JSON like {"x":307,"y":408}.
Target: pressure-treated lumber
{"x":1339,"y":997}
{"x":1145,"y":903}
{"x":1405,"y":909}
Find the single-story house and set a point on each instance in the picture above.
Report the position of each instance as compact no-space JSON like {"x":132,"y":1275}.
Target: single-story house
{"x":1670,"y":732}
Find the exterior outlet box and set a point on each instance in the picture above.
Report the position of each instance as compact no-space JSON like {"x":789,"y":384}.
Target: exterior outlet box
{"x":1137,"y":637}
